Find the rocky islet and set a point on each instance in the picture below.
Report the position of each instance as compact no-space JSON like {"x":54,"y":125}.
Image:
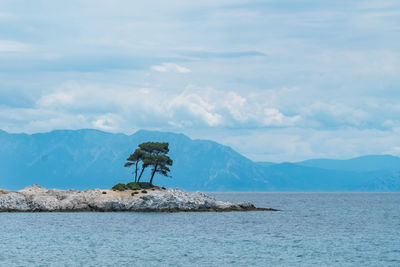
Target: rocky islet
{"x":38,"y":199}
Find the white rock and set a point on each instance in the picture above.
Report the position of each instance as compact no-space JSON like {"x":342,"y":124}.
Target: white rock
{"x":36,"y":198}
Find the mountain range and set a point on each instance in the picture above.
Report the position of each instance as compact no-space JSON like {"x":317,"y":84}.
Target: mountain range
{"x":94,"y":159}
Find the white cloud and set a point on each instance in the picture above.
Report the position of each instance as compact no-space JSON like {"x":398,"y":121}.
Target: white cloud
{"x":198,"y":106}
{"x":5,"y":15}
{"x":144,"y":90}
{"x":328,"y":68}
{"x":382,"y":4}
{"x":107,"y":122}
{"x":194,"y":107}
{"x":140,"y":107}
{"x":335,"y":114}
{"x":12,"y":46}
{"x":38,"y":119}
{"x":170,"y":67}
{"x":273,"y":117}
{"x":235,"y":104}
{"x":59,"y":98}
{"x":296,"y":144}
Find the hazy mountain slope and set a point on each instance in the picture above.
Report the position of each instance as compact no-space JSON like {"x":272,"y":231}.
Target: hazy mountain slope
{"x":265,"y":164}
{"x":61,"y":158}
{"x":361,"y":164}
{"x":90,"y":158}
{"x":94,"y":159}
{"x":292,"y":177}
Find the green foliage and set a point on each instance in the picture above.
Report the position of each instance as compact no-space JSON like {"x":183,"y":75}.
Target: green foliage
{"x":159,"y":163}
{"x":119,"y":187}
{"x":134,"y":193}
{"x":145,"y":185}
{"x":150,"y":154}
{"x":128,"y":164}
{"x":137,"y":155}
{"x":154,"y":148}
{"x":104,"y":192}
{"x":141,"y":185}
{"x":144,"y":191}
{"x":133,"y":186}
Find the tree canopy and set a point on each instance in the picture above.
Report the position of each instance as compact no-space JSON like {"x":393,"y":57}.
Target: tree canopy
{"x":155,"y":148}
{"x":151,"y":154}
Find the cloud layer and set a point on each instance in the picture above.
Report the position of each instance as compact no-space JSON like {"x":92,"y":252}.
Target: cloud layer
{"x":277,"y":81}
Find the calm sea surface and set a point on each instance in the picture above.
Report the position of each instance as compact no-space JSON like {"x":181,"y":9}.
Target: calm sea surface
{"x":315,"y":229}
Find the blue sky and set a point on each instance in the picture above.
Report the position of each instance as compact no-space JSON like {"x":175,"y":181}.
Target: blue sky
{"x":276,"y":80}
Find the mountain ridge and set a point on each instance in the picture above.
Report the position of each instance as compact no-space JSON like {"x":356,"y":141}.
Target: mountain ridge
{"x":362,"y":163}
{"x":89,"y":158}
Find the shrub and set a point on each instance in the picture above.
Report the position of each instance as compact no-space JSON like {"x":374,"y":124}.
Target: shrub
{"x":134,"y":193}
{"x":133,"y":186}
{"x":104,"y":192}
{"x":163,"y":188}
{"x":145,"y":185}
{"x":119,"y":187}
{"x":144,"y":191}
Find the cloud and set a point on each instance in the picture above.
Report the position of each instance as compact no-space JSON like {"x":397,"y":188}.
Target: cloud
{"x":196,"y":105}
{"x":5,"y":15}
{"x":285,"y":75}
{"x":296,"y":144}
{"x":333,"y":115}
{"x":224,"y":54}
{"x":135,"y":106}
{"x":12,"y":46}
{"x":107,"y":122}
{"x":273,"y":117}
{"x":170,"y":67}
{"x":192,"y":107}
{"x":383,"y":4}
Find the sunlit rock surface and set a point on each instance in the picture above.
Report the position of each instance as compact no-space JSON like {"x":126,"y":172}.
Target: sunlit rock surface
{"x":36,"y":198}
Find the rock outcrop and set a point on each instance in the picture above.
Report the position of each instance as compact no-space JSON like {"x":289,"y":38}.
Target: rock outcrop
{"x":37,"y":199}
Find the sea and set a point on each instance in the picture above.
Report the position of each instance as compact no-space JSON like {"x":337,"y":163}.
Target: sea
{"x":312,"y":229}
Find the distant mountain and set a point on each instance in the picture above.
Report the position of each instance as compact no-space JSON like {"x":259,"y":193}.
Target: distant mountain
{"x":266,"y":164}
{"x":293,"y":177}
{"x":91,"y":158}
{"x":94,"y":159}
{"x":360,"y":164}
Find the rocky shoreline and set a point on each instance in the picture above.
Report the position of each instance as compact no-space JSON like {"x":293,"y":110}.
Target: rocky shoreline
{"x":38,"y":199}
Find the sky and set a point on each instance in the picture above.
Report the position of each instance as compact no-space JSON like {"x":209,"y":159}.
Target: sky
{"x":275,"y":80}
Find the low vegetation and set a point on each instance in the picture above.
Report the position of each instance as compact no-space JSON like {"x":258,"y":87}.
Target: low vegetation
{"x":119,"y":187}
{"x":133,"y":186}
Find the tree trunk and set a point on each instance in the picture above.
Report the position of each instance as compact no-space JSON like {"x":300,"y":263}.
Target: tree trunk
{"x":136,"y":171}
{"x":140,"y":176}
{"x":152,"y":175}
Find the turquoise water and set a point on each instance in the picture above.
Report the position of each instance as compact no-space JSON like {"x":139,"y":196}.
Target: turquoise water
{"x":315,"y":229}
